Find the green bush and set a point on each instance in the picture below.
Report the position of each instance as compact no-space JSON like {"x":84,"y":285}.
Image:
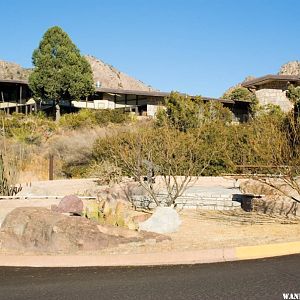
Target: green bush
{"x":105,"y":116}
{"x":184,"y":112}
{"x":89,"y":118}
{"x":84,"y":118}
{"x":30,"y":129}
{"x":241,"y":93}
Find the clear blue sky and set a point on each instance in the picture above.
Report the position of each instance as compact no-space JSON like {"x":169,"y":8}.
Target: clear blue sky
{"x":194,"y":46}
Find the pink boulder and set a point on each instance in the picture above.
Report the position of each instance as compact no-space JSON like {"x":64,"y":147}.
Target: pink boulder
{"x":69,"y":204}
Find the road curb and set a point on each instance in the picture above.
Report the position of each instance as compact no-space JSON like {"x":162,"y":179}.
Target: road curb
{"x":269,"y":250}
{"x":152,"y":259}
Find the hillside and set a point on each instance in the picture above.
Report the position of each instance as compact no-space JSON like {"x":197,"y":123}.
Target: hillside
{"x":14,"y":71}
{"x":108,"y":76}
{"x":290,"y":68}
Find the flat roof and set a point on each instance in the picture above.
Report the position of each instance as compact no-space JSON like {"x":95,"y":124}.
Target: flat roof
{"x":13,"y":81}
{"x":269,"y":78}
{"x":133,"y":92}
{"x":154,"y":94}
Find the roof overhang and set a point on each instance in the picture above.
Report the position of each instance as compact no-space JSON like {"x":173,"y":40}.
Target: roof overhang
{"x":253,"y":83}
{"x":132,"y":92}
{"x":154,"y":94}
{"x":12,"y":81}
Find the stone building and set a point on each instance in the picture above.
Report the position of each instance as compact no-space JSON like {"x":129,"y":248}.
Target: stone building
{"x":271,"y":89}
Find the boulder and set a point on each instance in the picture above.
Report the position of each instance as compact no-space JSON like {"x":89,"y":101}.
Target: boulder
{"x":272,"y":201}
{"x":164,"y":220}
{"x":69,"y":204}
{"x":38,"y":229}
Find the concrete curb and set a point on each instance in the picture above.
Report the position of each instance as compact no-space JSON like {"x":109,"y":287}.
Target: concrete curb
{"x":269,"y":250}
{"x":152,"y":259}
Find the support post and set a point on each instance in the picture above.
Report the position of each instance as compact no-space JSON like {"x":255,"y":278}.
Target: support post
{"x":115,"y":100}
{"x":21,"y":92}
{"x":136,"y":104}
{"x":125,"y":101}
{"x":2,"y":97}
{"x":20,"y":99}
{"x":51,"y":173}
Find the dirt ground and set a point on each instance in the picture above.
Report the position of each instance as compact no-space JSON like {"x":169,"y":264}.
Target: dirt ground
{"x":216,"y":229}
{"x":199,"y":229}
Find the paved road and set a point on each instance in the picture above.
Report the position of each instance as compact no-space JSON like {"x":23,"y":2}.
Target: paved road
{"x":260,"y":279}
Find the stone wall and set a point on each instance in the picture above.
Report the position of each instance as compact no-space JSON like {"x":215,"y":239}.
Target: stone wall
{"x":274,"y":96}
{"x":193,"y":201}
{"x":274,"y":92}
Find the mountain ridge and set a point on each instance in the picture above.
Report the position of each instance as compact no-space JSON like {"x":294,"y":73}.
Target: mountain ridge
{"x":106,"y":75}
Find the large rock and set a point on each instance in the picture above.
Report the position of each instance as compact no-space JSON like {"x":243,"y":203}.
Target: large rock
{"x":41,"y":230}
{"x":272,"y":201}
{"x":164,"y":220}
{"x":69,"y":204}
{"x":290,"y":68}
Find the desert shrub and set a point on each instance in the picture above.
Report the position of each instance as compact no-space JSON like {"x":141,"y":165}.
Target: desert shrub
{"x":258,"y":142}
{"x":15,"y":155}
{"x":84,"y":118}
{"x":163,"y":151}
{"x":6,"y":185}
{"x":74,"y":149}
{"x":241,"y":93}
{"x":27,"y":134}
{"x":105,"y":116}
{"x":107,"y":173}
{"x":30,"y":129}
{"x":90,"y":118}
{"x":184,"y":112}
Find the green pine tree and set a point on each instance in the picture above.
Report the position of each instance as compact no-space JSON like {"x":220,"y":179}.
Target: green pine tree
{"x":60,"y":72}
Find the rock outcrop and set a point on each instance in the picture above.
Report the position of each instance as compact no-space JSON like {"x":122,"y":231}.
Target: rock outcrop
{"x":110,"y":77}
{"x":38,"y":229}
{"x":272,"y":200}
{"x":290,"y":68}
{"x":13,"y":71}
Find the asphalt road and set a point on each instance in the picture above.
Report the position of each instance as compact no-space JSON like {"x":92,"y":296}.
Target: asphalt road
{"x":258,"y":279}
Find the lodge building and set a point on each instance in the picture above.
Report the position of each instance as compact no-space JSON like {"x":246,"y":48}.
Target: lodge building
{"x":15,"y":96}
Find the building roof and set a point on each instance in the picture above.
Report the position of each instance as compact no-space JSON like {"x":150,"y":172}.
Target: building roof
{"x":153,"y":94}
{"x":269,"y":78}
{"x":133,"y":92}
{"x":13,"y":81}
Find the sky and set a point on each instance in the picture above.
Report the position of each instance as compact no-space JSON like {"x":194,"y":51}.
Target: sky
{"x":199,"y":47}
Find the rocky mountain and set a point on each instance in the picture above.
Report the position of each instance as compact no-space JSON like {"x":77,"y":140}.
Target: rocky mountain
{"x":106,"y":75}
{"x":110,"y":77}
{"x":290,"y":68}
{"x":14,"y":71}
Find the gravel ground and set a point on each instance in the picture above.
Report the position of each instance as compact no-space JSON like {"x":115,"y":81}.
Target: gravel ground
{"x":199,"y":229}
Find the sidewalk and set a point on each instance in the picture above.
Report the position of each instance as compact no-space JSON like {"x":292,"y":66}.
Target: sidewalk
{"x":152,"y":259}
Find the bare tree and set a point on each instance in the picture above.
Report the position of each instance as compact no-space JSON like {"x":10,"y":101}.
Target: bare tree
{"x":162,"y":158}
